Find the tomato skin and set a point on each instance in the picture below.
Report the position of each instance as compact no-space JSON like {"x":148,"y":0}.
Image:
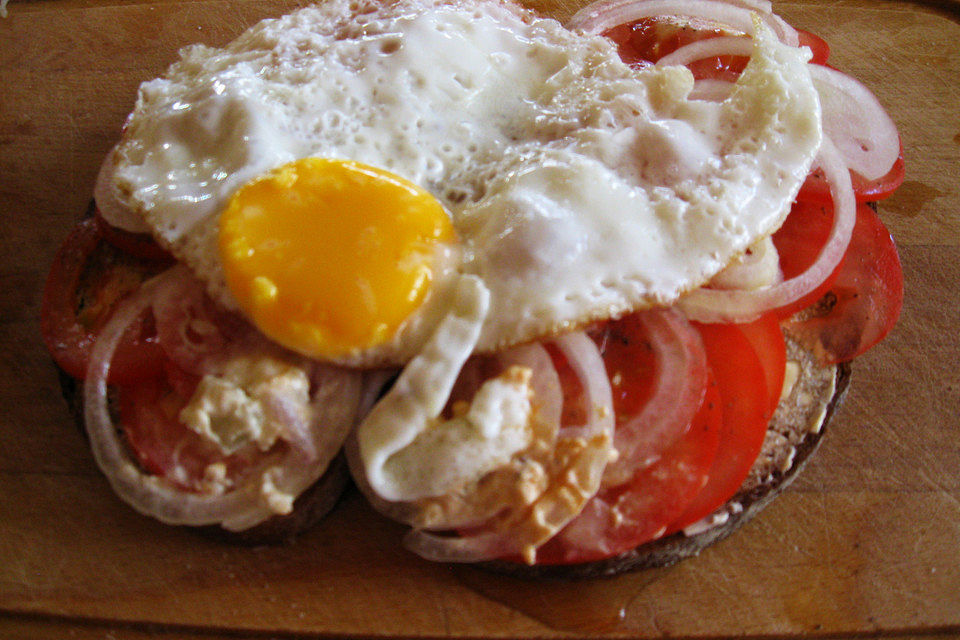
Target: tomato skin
{"x":818,"y":46}
{"x":798,"y":242}
{"x":863,"y":304}
{"x":745,"y":400}
{"x":766,"y":337}
{"x":816,"y":190}
{"x":649,"y":39}
{"x":139,"y":245}
{"x":70,"y":319}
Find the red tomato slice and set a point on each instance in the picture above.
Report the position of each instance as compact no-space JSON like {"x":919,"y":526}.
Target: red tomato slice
{"x":818,"y":46}
{"x":766,"y":338}
{"x":815,"y":189}
{"x":139,"y":245}
{"x":86,"y":282}
{"x":745,"y":399}
{"x":164,"y":446}
{"x":865,"y":300}
{"x":149,"y":413}
{"x":630,"y":362}
{"x":649,"y":39}
{"x":621,"y":518}
{"x":798,"y":243}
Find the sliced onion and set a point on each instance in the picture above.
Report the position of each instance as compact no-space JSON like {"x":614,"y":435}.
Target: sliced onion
{"x":547,"y":394}
{"x":758,"y":267}
{"x":678,"y":391}
{"x":604,"y":15}
{"x":720,"y":46}
{"x":856,"y":122}
{"x":241,"y":507}
{"x":475,"y":548}
{"x":587,"y":363}
{"x":717,"y":305}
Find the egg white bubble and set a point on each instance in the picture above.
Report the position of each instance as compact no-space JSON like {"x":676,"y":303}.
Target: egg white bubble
{"x":580,"y":188}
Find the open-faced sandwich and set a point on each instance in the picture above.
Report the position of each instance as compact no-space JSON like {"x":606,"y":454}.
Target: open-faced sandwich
{"x":566,"y":296}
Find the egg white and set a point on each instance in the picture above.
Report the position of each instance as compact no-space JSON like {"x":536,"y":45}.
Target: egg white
{"x":580,"y":188}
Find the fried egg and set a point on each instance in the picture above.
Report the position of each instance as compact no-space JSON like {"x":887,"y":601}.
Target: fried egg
{"x":335,"y":174}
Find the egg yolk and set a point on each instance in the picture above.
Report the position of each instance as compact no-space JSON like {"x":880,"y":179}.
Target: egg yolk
{"x":328,"y":257}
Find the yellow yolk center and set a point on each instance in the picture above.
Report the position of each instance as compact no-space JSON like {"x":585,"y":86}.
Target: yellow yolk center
{"x":330,"y":256}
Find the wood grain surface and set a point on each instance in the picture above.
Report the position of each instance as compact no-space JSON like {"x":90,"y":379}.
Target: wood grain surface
{"x":867,"y":540}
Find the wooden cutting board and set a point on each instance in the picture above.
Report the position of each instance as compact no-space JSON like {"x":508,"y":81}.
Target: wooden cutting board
{"x":867,"y":541}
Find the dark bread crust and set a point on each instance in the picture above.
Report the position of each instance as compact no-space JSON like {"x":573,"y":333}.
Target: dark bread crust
{"x":308,"y":509}
{"x":670,"y":550}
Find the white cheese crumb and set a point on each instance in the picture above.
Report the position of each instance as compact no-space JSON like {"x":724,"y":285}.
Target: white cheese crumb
{"x":250,"y":399}
{"x":277,"y":501}
{"x":791,"y":375}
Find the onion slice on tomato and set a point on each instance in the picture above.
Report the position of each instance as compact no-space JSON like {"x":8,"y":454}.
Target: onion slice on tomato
{"x":857,"y":123}
{"x":604,"y":15}
{"x":287,"y":472}
{"x":677,"y":394}
{"x":725,"y":305}
{"x":720,"y":46}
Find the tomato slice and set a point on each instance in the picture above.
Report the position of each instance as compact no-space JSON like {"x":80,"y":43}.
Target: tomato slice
{"x":149,"y":414}
{"x":798,"y":242}
{"x":745,"y":398}
{"x":86,"y":282}
{"x":620,"y":518}
{"x":649,"y":39}
{"x":163,"y":445}
{"x":818,"y":46}
{"x":865,"y":300}
{"x":631,"y":364}
{"x":816,"y":190}
{"x":766,"y":338}
{"x":139,"y":245}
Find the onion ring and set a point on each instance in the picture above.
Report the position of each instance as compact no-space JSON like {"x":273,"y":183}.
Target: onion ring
{"x":263,"y":493}
{"x":679,"y":388}
{"x":604,"y":15}
{"x":720,"y":46}
{"x":857,"y":123}
{"x":716,"y":305}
